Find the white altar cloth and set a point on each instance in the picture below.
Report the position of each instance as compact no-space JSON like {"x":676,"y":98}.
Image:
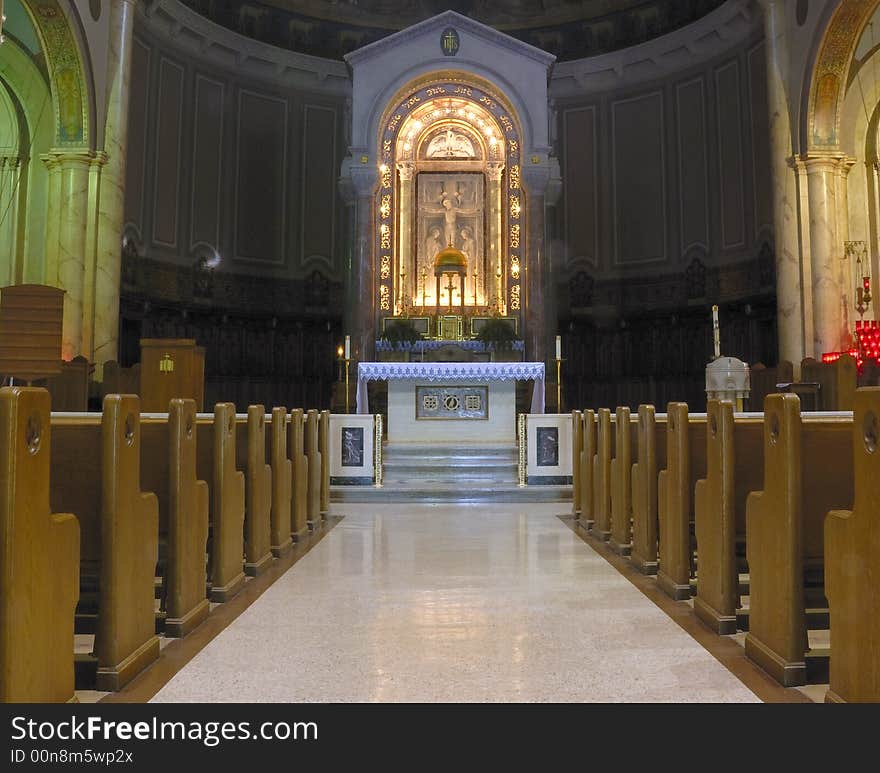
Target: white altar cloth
{"x":452,"y":371}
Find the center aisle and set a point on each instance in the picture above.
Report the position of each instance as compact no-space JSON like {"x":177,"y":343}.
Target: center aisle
{"x":433,"y":603}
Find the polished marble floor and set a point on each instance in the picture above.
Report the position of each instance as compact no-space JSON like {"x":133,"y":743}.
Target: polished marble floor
{"x":473,"y":603}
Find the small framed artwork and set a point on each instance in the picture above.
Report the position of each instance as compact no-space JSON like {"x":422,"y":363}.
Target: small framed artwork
{"x":547,"y":439}
{"x":352,"y":446}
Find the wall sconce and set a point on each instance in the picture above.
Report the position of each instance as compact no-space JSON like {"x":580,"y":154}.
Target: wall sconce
{"x":859,"y":251}
{"x":166,"y":364}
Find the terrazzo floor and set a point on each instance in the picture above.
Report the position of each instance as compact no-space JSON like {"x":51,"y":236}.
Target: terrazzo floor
{"x":479,"y":603}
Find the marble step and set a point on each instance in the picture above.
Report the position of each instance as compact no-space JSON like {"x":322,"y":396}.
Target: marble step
{"x":458,"y":494}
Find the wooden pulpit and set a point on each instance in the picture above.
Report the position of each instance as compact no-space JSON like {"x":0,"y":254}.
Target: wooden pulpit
{"x":171,"y":367}
{"x":31,"y":319}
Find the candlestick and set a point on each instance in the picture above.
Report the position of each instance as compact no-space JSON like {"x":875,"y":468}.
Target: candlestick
{"x":716,"y":334}
{"x":347,"y":361}
{"x":347,"y":347}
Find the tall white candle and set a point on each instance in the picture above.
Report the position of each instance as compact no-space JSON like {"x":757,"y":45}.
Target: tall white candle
{"x":716,"y":335}
{"x":558,"y":347}
{"x":348,"y":347}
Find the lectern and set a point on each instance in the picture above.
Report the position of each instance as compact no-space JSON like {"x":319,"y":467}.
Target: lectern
{"x":171,"y":367}
{"x":30,"y":331}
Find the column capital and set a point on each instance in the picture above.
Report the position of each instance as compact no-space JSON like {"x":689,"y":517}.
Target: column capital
{"x":358,"y":179}
{"x":67,"y":159}
{"x":494,"y":170}
{"x":406,"y":169}
{"x":826,"y":162}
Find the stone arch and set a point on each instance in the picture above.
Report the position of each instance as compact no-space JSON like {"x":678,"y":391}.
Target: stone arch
{"x":31,"y":97}
{"x":828,"y":82}
{"x":66,"y":62}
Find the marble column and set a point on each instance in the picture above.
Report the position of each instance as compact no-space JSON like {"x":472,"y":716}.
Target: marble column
{"x":10,"y":239}
{"x":493,"y":290}
{"x":406,"y":266}
{"x":358,"y":184}
{"x":534,"y":264}
{"x":826,"y":253}
{"x":70,"y":215}
{"x":791,"y":327}
{"x":111,"y":206}
{"x":846,"y":268}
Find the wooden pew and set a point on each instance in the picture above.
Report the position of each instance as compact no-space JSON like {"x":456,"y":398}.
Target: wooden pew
{"x":651,"y":459}
{"x":251,"y":456}
{"x":807,"y":472}
{"x":282,"y":485}
{"x":39,"y":568}
{"x":314,"y":455}
{"x":119,"y":380}
{"x":625,"y":447}
{"x":837,"y":382}
{"x":299,"y":526}
{"x":763,"y":381}
{"x":585,"y":516}
{"x":685,"y":464}
{"x":96,"y":474}
{"x":324,"y":447}
{"x":602,"y":476}
{"x":168,"y":468}
{"x":70,"y":388}
{"x":216,"y":446}
{"x":577,"y":448}
{"x":852,"y":567}
{"x":734,"y":468}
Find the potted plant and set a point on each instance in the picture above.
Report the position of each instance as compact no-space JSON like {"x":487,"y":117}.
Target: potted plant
{"x":498,"y":336}
{"x":401,"y":334}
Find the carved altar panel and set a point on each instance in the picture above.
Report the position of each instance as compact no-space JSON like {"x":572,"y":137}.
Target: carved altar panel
{"x":450,"y":210}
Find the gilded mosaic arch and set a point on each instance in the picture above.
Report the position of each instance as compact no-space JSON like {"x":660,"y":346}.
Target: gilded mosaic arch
{"x":66,"y":72}
{"x":828,"y":86}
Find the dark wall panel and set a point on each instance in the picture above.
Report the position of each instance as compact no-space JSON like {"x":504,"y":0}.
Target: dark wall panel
{"x":693,"y":166}
{"x":318,"y":182}
{"x":207,"y":161}
{"x":730,"y":154}
{"x":639,"y":179}
{"x":166,"y":200}
{"x":760,"y":139}
{"x":135,"y":176}
{"x":260,"y":174}
{"x":579,"y":179}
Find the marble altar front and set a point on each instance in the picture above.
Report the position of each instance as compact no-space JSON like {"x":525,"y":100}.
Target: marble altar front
{"x":465,"y":402}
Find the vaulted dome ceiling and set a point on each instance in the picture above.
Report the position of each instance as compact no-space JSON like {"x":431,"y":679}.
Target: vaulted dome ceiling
{"x":570,"y":29}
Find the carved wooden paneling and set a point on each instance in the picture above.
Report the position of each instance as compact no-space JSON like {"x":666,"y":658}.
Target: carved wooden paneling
{"x":166,"y":198}
{"x":639,"y":179}
{"x":760,"y":139}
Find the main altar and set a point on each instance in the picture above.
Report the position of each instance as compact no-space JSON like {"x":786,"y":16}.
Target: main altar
{"x":464,"y":402}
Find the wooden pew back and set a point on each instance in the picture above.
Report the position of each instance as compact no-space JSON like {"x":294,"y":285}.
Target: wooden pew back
{"x":651,"y":459}
{"x":602,"y":475}
{"x":807,"y":472}
{"x":852,"y":567}
{"x":39,"y":559}
{"x":324,"y":448}
{"x":282,"y":483}
{"x":299,"y":525}
{"x":685,"y":464}
{"x":251,"y":456}
{"x":626,"y":447}
{"x":577,"y":447}
{"x":734,"y":468}
{"x":314,"y":454}
{"x":837,"y":382}
{"x":216,"y":447}
{"x":588,"y":451}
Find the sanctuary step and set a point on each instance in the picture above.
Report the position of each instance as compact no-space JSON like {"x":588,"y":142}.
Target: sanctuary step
{"x":450,"y":473}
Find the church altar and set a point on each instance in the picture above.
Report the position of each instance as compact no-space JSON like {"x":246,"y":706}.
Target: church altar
{"x":451,"y":401}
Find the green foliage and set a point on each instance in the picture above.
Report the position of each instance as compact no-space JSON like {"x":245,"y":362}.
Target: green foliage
{"x":497,"y":334}
{"x":399,"y":332}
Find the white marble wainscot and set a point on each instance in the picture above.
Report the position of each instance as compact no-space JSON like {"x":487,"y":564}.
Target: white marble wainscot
{"x":498,"y":427}
{"x":548,"y":449}
{"x":352,"y":449}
